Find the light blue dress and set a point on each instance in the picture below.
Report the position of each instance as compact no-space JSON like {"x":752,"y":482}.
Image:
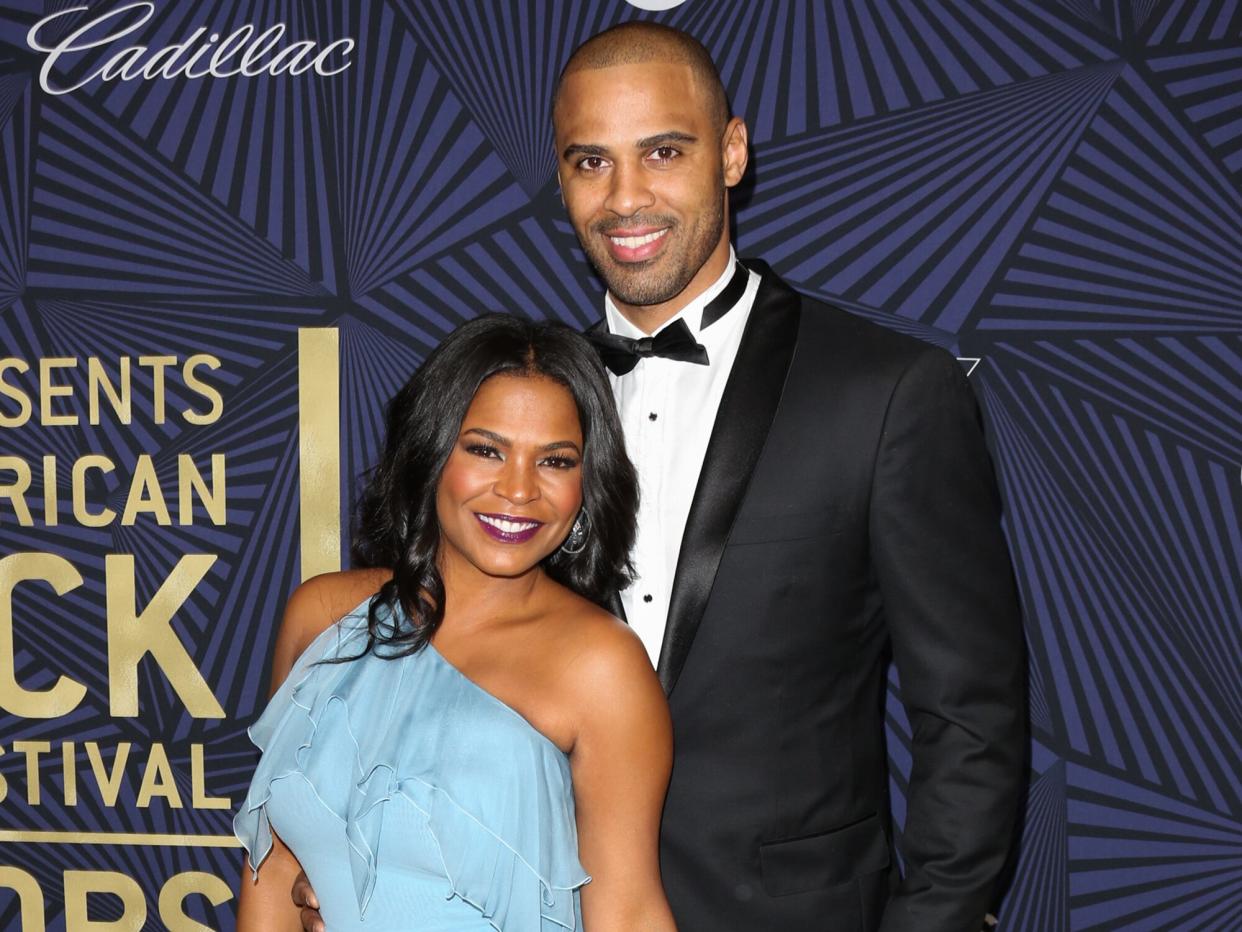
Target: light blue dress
{"x":414,"y":799}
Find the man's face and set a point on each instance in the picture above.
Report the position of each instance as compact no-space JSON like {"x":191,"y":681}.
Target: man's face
{"x":643,"y":170}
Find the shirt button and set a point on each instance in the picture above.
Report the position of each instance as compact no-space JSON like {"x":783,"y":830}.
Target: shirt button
{"x":652,"y":416}
{"x":647,"y":597}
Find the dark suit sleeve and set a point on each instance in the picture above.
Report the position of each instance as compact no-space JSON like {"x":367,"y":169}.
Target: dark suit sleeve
{"x":951,"y":606}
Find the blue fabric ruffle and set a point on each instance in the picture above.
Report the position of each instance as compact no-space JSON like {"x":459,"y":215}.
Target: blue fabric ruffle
{"x":496,"y":793}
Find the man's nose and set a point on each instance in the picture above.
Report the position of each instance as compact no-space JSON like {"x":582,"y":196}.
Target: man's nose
{"x":628,"y":191}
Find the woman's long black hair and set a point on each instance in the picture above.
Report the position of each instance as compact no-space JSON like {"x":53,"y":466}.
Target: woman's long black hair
{"x":396,"y":525}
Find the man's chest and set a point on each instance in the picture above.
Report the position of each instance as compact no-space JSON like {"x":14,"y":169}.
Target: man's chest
{"x":668,"y":411}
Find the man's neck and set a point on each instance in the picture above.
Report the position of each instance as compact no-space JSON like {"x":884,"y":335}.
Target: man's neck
{"x":651,"y":317}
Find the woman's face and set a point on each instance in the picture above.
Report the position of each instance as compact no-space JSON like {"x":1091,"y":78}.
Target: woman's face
{"x":512,"y":485}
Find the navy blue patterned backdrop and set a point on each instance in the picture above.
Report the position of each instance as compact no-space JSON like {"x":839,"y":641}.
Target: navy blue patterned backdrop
{"x":1048,"y":189}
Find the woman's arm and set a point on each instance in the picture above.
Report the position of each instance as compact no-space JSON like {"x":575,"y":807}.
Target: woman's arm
{"x":621,"y":759}
{"x":265,"y":903}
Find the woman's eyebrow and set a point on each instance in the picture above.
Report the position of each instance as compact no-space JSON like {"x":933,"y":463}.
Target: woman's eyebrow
{"x":504,"y":441}
{"x":490,"y":435}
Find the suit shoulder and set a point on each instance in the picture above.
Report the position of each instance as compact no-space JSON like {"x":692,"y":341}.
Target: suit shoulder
{"x":831,"y":332}
{"x":828,"y":321}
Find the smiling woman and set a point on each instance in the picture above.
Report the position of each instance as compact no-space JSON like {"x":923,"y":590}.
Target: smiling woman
{"x":519,"y":488}
{"x":498,"y":380}
{"x":465,"y":690}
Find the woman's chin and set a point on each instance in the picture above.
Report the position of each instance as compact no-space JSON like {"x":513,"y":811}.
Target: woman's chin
{"x":513,"y":566}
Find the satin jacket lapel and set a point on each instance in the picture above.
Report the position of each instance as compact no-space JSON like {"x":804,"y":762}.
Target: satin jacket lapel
{"x":747,"y":408}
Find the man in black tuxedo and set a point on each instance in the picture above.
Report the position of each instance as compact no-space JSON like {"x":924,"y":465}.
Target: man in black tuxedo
{"x":817,"y":495}
{"x":845,"y":506}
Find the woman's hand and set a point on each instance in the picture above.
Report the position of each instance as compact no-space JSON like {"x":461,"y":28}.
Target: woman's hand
{"x":264,"y":902}
{"x":304,"y":898}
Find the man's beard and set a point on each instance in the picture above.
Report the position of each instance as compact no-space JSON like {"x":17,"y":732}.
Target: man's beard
{"x":663,"y":277}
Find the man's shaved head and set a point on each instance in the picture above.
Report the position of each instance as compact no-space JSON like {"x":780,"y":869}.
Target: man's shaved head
{"x":639,"y":42}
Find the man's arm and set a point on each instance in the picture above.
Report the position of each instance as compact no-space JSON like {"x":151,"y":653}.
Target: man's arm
{"x":952,"y":609}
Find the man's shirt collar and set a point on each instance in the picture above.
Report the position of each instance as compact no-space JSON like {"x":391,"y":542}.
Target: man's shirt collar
{"x":692,"y":313}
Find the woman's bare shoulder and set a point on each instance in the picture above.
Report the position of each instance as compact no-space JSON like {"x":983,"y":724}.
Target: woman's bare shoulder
{"x":606,"y":677}
{"x":600,"y":648}
{"x":315,"y":605}
{"x":327,"y":598}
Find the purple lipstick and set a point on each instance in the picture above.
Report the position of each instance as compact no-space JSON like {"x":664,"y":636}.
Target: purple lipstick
{"x":508,"y":529}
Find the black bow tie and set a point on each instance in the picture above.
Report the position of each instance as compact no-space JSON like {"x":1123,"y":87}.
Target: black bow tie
{"x":621,"y":354}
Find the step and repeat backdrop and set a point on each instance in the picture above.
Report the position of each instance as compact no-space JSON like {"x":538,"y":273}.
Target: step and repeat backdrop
{"x":229,"y":230}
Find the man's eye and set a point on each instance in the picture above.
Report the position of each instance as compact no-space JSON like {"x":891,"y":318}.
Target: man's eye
{"x":664,"y":153}
{"x":591,"y":163}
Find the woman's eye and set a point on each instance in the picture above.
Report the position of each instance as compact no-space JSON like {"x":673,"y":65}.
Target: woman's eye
{"x":561,"y":462}
{"x":482,"y":449}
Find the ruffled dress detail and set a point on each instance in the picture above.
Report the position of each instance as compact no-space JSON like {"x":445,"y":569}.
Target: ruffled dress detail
{"x":372,"y":733}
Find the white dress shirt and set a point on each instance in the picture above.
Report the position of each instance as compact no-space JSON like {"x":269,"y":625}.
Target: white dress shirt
{"x":667,"y":411}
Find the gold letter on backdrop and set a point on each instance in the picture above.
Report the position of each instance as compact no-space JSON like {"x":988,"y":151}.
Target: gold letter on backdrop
{"x":198,"y":783}
{"x":80,"y":884}
{"x":109,"y":783}
{"x":15,"y":492}
{"x":29,"y":897}
{"x":32,"y":750}
{"x":158,"y":780}
{"x":132,"y":635}
{"x":181,"y":886}
{"x":319,"y":449}
{"x":64,"y":697}
{"x":24,"y":408}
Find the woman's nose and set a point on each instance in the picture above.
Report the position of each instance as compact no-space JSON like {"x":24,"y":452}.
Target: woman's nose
{"x":517,"y":482}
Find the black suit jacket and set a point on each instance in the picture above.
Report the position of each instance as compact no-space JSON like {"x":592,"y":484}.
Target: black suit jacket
{"x":846,"y":507}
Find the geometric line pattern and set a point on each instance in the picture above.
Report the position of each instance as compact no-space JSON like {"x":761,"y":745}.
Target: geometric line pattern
{"x":504,"y":61}
{"x":14,"y":185}
{"x":1143,"y":238}
{"x":848,"y":62}
{"x":1049,"y":187}
{"x":1039,"y":898}
{"x":1140,"y":860}
{"x":890,"y":203}
{"x":1205,"y":84}
{"x":1113,"y":588}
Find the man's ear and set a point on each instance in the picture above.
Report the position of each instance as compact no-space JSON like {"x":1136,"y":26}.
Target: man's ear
{"x":560,"y":189}
{"x":735,"y":151}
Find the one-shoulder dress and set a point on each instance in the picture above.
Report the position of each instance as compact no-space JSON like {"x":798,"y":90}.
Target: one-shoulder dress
{"x":414,"y":799}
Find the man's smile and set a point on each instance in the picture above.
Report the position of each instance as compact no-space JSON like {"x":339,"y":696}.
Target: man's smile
{"x":635,"y":245}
